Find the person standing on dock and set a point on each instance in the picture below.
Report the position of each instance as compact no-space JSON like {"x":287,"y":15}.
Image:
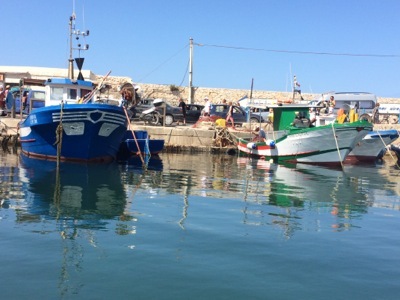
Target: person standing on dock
{"x":375,"y":114}
{"x":207,"y":107}
{"x":183,"y":106}
{"x":7,"y":90}
{"x":229,"y":115}
{"x":2,"y":97}
{"x":224,"y":102}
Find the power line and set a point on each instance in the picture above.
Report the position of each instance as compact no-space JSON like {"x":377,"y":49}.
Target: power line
{"x":184,"y":76}
{"x":299,"y":52}
{"x":159,"y":66}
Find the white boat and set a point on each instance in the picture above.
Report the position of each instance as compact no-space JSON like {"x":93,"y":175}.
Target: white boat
{"x":295,"y":139}
{"x":375,"y":143}
{"x":373,"y":146}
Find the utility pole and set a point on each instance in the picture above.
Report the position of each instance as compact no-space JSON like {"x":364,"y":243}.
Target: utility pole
{"x":191,"y":72}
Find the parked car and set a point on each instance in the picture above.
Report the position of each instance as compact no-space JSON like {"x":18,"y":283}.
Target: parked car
{"x":193,"y":112}
{"x":263,"y":112}
{"x":172,"y":114}
{"x":219,"y":111}
{"x":143,"y":105}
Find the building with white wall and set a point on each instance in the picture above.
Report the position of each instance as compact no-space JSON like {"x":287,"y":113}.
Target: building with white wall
{"x":11,"y":75}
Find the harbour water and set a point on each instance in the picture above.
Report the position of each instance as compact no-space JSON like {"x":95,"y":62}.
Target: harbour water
{"x":198,"y":226}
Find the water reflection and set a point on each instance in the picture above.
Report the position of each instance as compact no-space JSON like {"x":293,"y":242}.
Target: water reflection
{"x":190,"y":198}
{"x":73,"y":191}
{"x":89,"y":195}
{"x":298,"y":191}
{"x":80,"y":200}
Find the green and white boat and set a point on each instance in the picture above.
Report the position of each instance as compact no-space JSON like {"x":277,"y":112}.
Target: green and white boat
{"x":297,"y":140}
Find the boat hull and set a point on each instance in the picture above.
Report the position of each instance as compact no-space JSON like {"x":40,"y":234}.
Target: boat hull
{"x":146,"y":146}
{"x":90,"y":132}
{"x":137,"y":141}
{"x":372,"y":146}
{"x":328,"y":144}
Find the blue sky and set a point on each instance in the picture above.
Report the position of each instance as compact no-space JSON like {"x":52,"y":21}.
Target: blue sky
{"x":235,"y":41}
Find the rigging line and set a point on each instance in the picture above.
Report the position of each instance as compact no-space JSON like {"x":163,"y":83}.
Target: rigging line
{"x":184,"y":76}
{"x":83,"y":20}
{"x":300,"y":52}
{"x":141,"y":79}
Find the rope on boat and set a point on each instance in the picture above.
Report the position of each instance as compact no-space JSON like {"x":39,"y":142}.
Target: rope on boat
{"x":7,"y":128}
{"x":57,"y":191}
{"x":89,"y":96}
{"x":134,"y":137}
{"x":169,"y":136}
{"x":195,"y":131}
{"x":386,"y":146}
{"x":235,"y":136}
{"x":59,"y":135}
{"x":337,"y":146}
{"x":222,"y":137}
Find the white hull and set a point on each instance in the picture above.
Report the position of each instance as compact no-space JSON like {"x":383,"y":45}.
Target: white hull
{"x":372,"y":145}
{"x":319,"y":145}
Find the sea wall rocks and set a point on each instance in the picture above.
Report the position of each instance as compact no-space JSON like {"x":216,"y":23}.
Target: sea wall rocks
{"x":172,"y":93}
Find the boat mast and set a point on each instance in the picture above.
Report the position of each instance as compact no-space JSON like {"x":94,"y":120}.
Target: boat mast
{"x":71,"y":60}
{"x":76,"y":34}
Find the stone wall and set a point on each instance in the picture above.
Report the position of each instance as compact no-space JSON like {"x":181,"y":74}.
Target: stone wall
{"x":172,"y":93}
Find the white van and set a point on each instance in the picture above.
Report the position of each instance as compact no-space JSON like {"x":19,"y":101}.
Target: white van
{"x":364,"y":103}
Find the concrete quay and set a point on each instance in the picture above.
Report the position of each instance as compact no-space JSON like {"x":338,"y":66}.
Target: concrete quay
{"x":206,"y":138}
{"x":185,"y":138}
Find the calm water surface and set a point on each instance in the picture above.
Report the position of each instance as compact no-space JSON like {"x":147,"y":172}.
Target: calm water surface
{"x":198,"y":227}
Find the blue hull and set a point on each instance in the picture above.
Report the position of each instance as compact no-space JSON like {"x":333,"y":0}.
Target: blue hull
{"x":91,"y":132}
{"x":153,"y":146}
{"x":130,"y":143}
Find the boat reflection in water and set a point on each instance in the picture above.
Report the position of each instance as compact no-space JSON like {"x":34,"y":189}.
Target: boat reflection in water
{"x":73,"y":190}
{"x":81,"y":200}
{"x":334,"y":198}
{"x":77,"y":190}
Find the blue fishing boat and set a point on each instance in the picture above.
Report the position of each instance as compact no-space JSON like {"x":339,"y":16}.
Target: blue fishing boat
{"x":71,"y":131}
{"x":72,"y":125}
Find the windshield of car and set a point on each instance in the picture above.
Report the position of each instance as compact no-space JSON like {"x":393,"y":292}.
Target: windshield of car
{"x":220,"y":108}
{"x":237,"y":110}
{"x":146,"y":102}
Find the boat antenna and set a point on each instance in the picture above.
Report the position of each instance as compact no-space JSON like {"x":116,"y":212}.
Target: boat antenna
{"x":73,"y":32}
{"x":71,"y":60}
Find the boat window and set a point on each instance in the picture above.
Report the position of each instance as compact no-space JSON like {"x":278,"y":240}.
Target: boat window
{"x":56,"y":93}
{"x":72,"y":94}
{"x":85,"y":92}
{"x":38,"y":95}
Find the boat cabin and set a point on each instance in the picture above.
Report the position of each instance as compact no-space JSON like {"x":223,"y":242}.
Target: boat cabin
{"x":66,"y":90}
{"x":296,"y":115}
